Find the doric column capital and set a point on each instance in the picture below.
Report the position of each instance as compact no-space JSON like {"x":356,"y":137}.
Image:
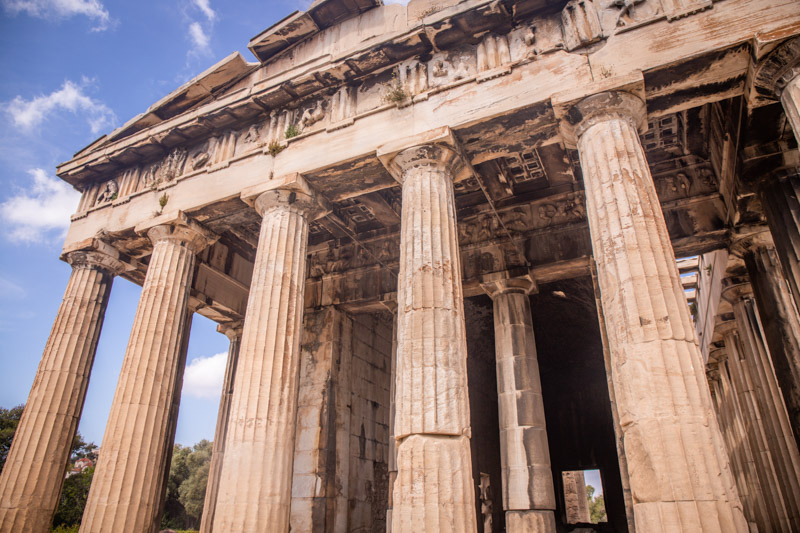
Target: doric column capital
{"x":437,"y":148}
{"x":776,"y":70}
{"x":94,"y":253}
{"x":303,"y":203}
{"x":602,"y":107}
{"x":176,"y":226}
{"x":524,"y":284}
{"x":232,"y":330}
{"x":610,"y":99}
{"x":726,"y":327}
{"x":736,"y":289}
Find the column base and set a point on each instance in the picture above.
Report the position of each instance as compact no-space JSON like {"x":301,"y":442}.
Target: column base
{"x":530,"y":522}
{"x":434,"y":490}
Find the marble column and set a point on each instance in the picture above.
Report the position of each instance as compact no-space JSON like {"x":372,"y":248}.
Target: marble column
{"x":732,"y":424}
{"x":758,"y":388}
{"x":127,"y":484}
{"x":780,"y":198}
{"x":255,"y":486}
{"x":528,"y":494}
{"x":678,"y":467}
{"x":434,"y":489}
{"x":576,"y":501}
{"x":234,"y":333}
{"x":781,"y":324}
{"x":34,"y":470}
{"x":789,"y":88}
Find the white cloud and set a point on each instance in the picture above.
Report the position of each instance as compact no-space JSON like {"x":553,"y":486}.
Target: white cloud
{"x":27,"y":114}
{"x":205,"y":7}
{"x":33,"y":214}
{"x":204,"y":375}
{"x":56,"y":9}
{"x":200,"y":40}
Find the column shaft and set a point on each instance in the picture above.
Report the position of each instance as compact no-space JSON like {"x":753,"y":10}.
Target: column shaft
{"x":127,"y":485}
{"x":221,"y":431}
{"x":779,"y":446}
{"x":528,"y":493}
{"x":679,"y":474}
{"x":34,"y":470}
{"x":434,"y":489}
{"x":256,"y":483}
{"x":780,"y":198}
{"x":790,"y":99}
{"x":781,"y":325}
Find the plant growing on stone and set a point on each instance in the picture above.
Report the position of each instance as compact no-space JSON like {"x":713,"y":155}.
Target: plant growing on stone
{"x":275,"y":148}
{"x":292,"y":131}
{"x":163,"y":200}
{"x":395,"y":93}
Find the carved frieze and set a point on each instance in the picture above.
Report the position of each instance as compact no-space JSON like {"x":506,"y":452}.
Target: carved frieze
{"x":581,"y":24}
{"x":493,"y":56}
{"x":675,"y":9}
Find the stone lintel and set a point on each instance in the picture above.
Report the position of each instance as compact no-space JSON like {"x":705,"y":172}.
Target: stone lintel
{"x":515,"y":280}
{"x":180,"y":227}
{"x":575,"y":108}
{"x":417,"y":148}
{"x":776,"y":64}
{"x":95,"y":252}
{"x":752,"y":237}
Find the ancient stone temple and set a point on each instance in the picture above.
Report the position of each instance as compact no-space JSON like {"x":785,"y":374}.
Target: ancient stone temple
{"x":451,"y":244}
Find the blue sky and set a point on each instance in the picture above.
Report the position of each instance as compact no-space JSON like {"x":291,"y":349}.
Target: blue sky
{"x":73,"y":70}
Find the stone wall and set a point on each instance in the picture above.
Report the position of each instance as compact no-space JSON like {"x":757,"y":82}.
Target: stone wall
{"x":340,"y":478}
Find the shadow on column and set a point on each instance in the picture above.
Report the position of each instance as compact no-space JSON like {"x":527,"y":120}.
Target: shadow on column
{"x":580,"y":428}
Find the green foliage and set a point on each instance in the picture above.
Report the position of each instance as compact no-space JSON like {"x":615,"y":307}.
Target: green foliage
{"x":73,"y":499}
{"x":292,"y":131}
{"x":163,"y":200}
{"x":66,"y":529}
{"x":597,"y":506}
{"x":275,"y":148}
{"x":186,"y":485}
{"x":395,"y":93}
{"x":9,"y":419}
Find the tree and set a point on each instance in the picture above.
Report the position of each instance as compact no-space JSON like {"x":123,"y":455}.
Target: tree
{"x":186,"y":485}
{"x":597,"y":506}
{"x":73,"y":498}
{"x":9,"y":420}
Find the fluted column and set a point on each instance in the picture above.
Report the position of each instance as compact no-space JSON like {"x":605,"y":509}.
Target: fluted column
{"x":255,"y":487}
{"x":790,"y":99}
{"x":528,"y":493}
{"x":34,"y":470}
{"x":234,"y":334}
{"x":434,"y":489}
{"x":781,"y":324}
{"x":678,"y":467}
{"x":780,"y":198}
{"x":758,"y":389}
{"x":127,"y":484}
{"x":732,"y":424}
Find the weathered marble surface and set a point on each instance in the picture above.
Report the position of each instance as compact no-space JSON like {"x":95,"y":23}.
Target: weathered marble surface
{"x":678,"y":466}
{"x":34,"y":469}
{"x":434,"y":489}
{"x":126,"y":493}
{"x":528,"y":493}
{"x":255,"y":486}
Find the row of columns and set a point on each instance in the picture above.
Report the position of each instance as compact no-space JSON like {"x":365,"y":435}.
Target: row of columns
{"x":753,"y":418}
{"x":678,"y":467}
